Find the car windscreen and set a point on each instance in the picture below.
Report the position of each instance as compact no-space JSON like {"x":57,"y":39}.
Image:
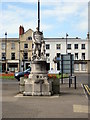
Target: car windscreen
{"x":29,"y":69}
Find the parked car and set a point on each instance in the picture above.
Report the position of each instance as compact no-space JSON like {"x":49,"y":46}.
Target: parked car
{"x":17,"y":75}
{"x":54,"y":72}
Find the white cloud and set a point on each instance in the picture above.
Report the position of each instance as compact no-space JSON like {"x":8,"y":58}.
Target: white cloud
{"x":13,"y":17}
{"x":61,"y":11}
{"x":45,"y":1}
{"x":82,"y":24}
{"x":46,"y":27}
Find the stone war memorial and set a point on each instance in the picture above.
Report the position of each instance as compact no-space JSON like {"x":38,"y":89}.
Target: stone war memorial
{"x":38,"y":83}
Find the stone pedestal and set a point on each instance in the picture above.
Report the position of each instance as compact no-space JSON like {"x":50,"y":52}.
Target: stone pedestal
{"x":37,"y":83}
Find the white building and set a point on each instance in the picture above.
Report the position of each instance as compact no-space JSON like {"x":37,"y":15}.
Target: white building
{"x":76,"y":46}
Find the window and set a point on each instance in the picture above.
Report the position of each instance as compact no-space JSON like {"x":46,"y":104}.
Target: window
{"x":47,"y":54}
{"x":25,"y":56}
{"x":76,"y":46}
{"x":76,"y":56}
{"x":3,"y":56}
{"x":69,"y":53}
{"x":76,"y":67}
{"x":83,"y":67}
{"x":47,"y":46}
{"x":3,"y":46}
{"x":29,"y":38}
{"x":83,"y":56}
{"x":68,"y":46}
{"x":12,"y":45}
{"x":48,"y":57}
{"x":58,"y":63}
{"x":58,"y":54}
{"x":12,"y":56}
{"x":47,"y":66}
{"x":58,"y":46}
{"x":25,"y":45}
{"x":83,"y":46}
{"x":58,"y":66}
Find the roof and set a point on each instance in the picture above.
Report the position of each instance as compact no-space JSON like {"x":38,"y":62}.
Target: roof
{"x":10,"y":39}
{"x":28,"y":30}
{"x":64,"y":39}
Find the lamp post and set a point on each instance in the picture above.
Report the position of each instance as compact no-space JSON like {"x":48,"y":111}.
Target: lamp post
{"x":19,"y":55}
{"x":66,"y":42}
{"x":6,"y":50}
{"x":23,"y":62}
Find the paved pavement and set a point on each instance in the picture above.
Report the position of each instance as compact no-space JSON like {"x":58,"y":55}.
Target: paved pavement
{"x":70,"y":103}
{"x":83,"y":78}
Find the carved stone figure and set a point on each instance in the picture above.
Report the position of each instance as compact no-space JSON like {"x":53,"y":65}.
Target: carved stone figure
{"x":38,"y":42}
{"x":43,"y":49}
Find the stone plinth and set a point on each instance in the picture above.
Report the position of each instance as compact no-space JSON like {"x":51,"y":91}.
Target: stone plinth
{"x":32,"y":88}
{"x":37,"y":83}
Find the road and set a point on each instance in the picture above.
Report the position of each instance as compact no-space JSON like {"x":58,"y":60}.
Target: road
{"x":70,"y":103}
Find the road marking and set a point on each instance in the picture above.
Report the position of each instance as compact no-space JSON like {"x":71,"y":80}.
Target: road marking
{"x":84,"y":91}
{"x":87,"y":89}
{"x":80,"y":108}
{"x":21,"y":95}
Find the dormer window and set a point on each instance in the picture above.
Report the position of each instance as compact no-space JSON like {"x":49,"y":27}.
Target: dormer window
{"x":29,"y":38}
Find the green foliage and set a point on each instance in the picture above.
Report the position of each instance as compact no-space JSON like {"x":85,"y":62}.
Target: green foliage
{"x":7,"y":77}
{"x":58,"y":76}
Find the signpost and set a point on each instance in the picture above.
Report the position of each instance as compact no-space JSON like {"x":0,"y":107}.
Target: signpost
{"x":66,"y":64}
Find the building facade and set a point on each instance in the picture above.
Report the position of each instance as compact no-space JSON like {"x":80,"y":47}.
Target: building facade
{"x":26,"y":42}
{"x":15,"y":53}
{"x":9,"y":54}
{"x":76,"y":46}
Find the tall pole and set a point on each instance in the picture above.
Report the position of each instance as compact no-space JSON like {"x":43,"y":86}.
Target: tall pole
{"x":38,"y":15}
{"x":19,"y":55}
{"x":6,"y":49}
{"x":66,"y":42}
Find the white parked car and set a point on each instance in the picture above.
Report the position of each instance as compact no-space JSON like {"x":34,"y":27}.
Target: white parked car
{"x":54,"y":72}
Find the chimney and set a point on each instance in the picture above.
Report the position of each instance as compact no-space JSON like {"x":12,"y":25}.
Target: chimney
{"x":21,"y":30}
{"x":88,"y":35}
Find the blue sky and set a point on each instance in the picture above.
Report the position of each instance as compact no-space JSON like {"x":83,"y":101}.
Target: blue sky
{"x":58,"y":17}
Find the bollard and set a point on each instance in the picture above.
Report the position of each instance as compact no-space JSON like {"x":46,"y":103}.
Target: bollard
{"x":22,"y":85}
{"x":69,"y":82}
{"x":75,"y":81}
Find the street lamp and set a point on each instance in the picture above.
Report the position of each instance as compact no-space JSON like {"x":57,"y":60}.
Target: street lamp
{"x":6,"y":50}
{"x":23,"y":62}
{"x":66,"y":42}
{"x":19,"y":56}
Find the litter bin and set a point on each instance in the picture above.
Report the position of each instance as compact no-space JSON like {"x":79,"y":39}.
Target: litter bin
{"x":56,"y":86}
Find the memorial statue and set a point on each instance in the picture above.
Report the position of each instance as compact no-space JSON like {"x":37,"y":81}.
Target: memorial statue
{"x":37,"y":83}
{"x":39,"y":45}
